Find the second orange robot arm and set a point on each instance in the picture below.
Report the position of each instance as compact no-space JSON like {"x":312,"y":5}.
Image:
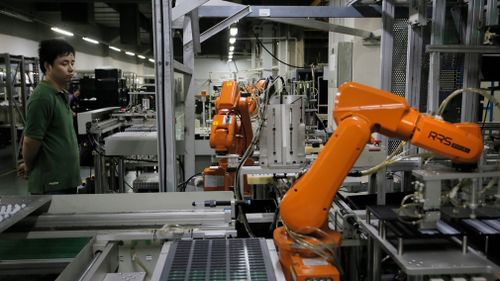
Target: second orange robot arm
{"x":229,"y":134}
{"x":359,"y":111}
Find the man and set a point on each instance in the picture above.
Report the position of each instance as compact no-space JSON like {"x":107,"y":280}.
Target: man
{"x":50,"y":149}
{"x":74,"y":102}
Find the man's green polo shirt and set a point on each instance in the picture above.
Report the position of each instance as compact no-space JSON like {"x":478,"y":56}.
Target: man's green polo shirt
{"x":50,"y":121}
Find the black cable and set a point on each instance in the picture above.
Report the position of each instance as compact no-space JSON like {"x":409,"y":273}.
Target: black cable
{"x":181,"y":165}
{"x":272,"y":55}
{"x":321,"y":122}
{"x":355,"y":174}
{"x":485,"y":114}
{"x":242,"y":217}
{"x":182,"y":186}
{"x":275,"y":219}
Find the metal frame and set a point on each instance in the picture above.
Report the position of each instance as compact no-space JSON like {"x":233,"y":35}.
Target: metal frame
{"x":378,"y":181}
{"x":414,"y":54}
{"x":166,"y":18}
{"x":189,"y":102}
{"x":164,"y":53}
{"x":105,"y":260}
{"x":492,"y":12}
{"x":319,"y":25}
{"x":438,"y":21}
{"x":185,"y":7}
{"x":425,"y":263}
{"x":293,"y":11}
{"x":437,"y":48}
{"x":471,"y":63}
{"x":11,"y":75}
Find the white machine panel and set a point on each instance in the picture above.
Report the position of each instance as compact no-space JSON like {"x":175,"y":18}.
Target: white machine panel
{"x":131,"y":143}
{"x":94,"y":115}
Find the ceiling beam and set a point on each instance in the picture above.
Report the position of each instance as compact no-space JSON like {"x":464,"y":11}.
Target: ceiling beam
{"x":369,"y":11}
{"x":324,"y":26}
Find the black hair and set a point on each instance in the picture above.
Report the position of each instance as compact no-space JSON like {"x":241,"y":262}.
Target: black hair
{"x":50,"y":49}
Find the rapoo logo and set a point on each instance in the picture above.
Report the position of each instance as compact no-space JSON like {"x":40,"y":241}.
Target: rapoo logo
{"x":448,"y":141}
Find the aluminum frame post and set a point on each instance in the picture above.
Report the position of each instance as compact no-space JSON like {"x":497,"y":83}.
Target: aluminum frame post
{"x":386,"y":47}
{"x":164,"y":53}
{"x":492,"y":12}
{"x":386,"y":44}
{"x":10,"y":97}
{"x":189,"y":101}
{"x":471,"y":62}
{"x":414,"y":66}
{"x":438,"y":21}
{"x":414,"y":54}
{"x":22,"y":69}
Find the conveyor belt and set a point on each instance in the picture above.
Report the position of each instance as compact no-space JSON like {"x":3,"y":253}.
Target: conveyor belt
{"x":55,"y":248}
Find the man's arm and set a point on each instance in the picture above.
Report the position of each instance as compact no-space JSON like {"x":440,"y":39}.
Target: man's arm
{"x":30,"y":151}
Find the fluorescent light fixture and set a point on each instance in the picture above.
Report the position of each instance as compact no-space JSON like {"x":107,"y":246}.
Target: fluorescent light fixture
{"x":229,"y":60}
{"x":15,"y":15}
{"x":115,"y":49}
{"x":233,"y":31}
{"x":232,"y":40}
{"x":230,"y":56}
{"x":231,"y":48}
{"x":130,"y":53}
{"x":90,"y":40}
{"x":62,"y":31}
{"x":230,"y":53}
{"x":151,"y":60}
{"x":141,"y":57}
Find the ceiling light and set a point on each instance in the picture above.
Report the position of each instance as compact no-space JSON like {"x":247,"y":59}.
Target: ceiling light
{"x":141,"y":57}
{"x":90,"y":40}
{"x":229,"y":60}
{"x":130,"y":53}
{"x":115,"y":49}
{"x":231,"y":48}
{"x":231,"y":53}
{"x":151,"y":60}
{"x":62,"y":31}
{"x":15,"y":15}
{"x":232,"y":40}
{"x":230,"y":56}
{"x":233,"y":31}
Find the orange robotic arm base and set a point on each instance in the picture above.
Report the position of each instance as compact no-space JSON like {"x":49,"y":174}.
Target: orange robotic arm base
{"x":359,"y":111}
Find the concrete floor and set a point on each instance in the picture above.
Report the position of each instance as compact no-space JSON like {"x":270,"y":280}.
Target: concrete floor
{"x":11,"y":184}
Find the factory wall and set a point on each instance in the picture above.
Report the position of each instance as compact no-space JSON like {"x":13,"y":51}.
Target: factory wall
{"x":365,"y":58}
{"x":84,"y":61}
{"x":21,"y":38}
{"x":218,"y":70}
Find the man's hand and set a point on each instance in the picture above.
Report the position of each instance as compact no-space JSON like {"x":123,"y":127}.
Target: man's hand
{"x":22,"y":171}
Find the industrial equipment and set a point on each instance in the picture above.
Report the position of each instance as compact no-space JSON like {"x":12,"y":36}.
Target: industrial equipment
{"x":230,"y":135}
{"x":313,"y":193}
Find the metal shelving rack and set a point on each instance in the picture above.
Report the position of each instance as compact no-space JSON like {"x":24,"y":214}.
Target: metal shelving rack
{"x":21,"y":77}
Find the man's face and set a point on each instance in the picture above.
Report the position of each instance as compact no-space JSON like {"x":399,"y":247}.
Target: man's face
{"x":61,"y":71}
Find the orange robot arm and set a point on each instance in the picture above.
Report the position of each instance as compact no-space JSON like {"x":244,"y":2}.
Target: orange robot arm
{"x":229,"y":134}
{"x":359,"y":111}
